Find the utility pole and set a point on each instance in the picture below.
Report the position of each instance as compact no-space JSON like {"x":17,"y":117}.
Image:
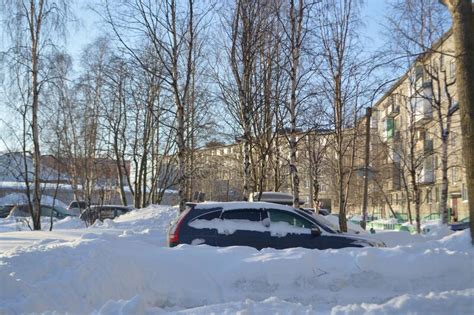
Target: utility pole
{"x":366,"y":167}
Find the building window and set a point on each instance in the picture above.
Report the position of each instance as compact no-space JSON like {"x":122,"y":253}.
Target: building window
{"x":452,"y":69}
{"x":437,"y":194}
{"x":429,"y":196}
{"x":390,"y":127}
{"x":453,"y":136}
{"x":322,"y":188}
{"x":418,"y":72}
{"x":454,"y":174}
{"x":464,"y":192}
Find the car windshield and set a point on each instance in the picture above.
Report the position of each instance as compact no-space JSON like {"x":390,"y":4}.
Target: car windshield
{"x":61,"y":210}
{"x":78,"y":204}
{"x":319,"y":220}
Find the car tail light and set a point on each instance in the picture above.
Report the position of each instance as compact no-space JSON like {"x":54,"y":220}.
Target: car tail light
{"x":173,"y":237}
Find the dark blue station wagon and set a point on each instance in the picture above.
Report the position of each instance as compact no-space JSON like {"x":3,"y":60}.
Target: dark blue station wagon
{"x":258,"y":225}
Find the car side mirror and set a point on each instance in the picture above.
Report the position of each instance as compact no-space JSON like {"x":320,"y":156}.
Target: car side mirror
{"x":266,"y":222}
{"x":315,"y":232}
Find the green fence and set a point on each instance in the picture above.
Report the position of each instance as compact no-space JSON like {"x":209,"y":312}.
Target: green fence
{"x":390,"y":227}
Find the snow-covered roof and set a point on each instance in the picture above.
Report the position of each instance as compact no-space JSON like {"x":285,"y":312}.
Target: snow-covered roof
{"x":21,"y":198}
{"x":12,"y":169}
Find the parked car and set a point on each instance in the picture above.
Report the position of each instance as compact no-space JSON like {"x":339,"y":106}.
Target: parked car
{"x":460,"y":225}
{"x":46,"y":211}
{"x":102,"y":212}
{"x":259,"y":225}
{"x":76,"y":206}
{"x":321,"y":211}
{"x":5,"y":210}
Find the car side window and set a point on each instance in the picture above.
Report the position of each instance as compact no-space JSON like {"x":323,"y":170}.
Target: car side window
{"x":242,"y":214}
{"x":210,"y":215}
{"x":290,"y":218}
{"x":46,"y":211}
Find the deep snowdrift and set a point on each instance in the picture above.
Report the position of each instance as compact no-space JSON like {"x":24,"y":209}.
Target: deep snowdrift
{"x":123,"y":266}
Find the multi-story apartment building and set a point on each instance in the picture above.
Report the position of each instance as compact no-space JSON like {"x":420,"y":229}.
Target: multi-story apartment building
{"x":408,"y":124}
{"x":217,"y":170}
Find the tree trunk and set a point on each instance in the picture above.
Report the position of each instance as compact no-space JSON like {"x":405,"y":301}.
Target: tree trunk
{"x":366,"y":168}
{"x":315,"y":194}
{"x":246,"y":153}
{"x":35,"y":29}
{"x":416,"y":193}
{"x":296,"y":20}
{"x":463,"y":30}
{"x":181,"y":158}
{"x":444,"y":181}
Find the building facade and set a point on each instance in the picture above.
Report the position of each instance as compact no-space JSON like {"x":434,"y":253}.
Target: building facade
{"x":416,"y":125}
{"x":414,"y":128}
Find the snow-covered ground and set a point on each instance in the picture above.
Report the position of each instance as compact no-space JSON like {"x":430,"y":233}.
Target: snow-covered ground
{"x":124,"y":267}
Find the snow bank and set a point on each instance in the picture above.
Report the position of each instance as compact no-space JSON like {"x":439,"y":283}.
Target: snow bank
{"x":122,"y":266}
{"x":12,"y":223}
{"x":431,"y":303}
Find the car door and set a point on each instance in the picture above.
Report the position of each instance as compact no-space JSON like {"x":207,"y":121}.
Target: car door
{"x":289,"y":230}
{"x":46,"y":211}
{"x":243,"y":227}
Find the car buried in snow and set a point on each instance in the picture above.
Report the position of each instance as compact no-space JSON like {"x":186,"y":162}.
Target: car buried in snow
{"x":5,"y":210}
{"x":461,"y":225}
{"x":57,"y":212}
{"x":258,"y":225}
{"x":102,"y":212}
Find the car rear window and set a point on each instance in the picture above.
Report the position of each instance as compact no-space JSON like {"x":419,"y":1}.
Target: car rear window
{"x":210,"y":215}
{"x":243,"y":214}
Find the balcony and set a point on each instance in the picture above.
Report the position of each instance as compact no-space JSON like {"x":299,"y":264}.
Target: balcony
{"x":421,"y":104}
{"x":392,"y":110}
{"x":423,"y":111}
{"x":426,"y":176}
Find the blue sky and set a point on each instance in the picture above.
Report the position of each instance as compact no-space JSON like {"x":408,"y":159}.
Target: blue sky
{"x":88,"y":24}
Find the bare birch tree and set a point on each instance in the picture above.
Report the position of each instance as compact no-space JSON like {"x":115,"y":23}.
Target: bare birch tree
{"x":170,"y":29}
{"x":32,"y":26}
{"x":337,"y":25}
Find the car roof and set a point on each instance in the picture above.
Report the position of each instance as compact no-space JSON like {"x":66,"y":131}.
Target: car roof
{"x":111,"y":206}
{"x":235,"y":205}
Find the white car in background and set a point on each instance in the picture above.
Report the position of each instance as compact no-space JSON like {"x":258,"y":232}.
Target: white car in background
{"x":76,"y":207}
{"x":333,"y":221}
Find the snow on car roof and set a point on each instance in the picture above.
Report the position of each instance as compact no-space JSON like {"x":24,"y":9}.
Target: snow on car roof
{"x":242,"y":205}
